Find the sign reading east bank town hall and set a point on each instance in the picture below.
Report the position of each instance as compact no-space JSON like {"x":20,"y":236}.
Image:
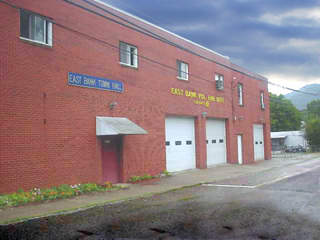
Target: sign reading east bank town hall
{"x":76,"y":79}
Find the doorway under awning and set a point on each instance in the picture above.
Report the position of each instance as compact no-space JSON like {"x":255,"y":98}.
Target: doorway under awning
{"x":106,"y":126}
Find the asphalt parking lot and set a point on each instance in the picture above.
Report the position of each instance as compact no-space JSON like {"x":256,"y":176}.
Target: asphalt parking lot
{"x":285,"y":209}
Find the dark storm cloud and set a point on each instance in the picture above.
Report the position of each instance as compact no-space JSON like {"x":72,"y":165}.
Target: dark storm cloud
{"x":265,"y":36}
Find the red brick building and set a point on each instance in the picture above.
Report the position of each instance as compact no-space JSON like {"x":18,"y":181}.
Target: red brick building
{"x":87,"y":96}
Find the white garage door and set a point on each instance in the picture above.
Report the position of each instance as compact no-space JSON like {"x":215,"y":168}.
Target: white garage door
{"x":180,"y":144}
{"x":216,"y":142}
{"x":258,"y":142}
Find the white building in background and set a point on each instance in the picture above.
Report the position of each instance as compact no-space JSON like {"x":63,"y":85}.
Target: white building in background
{"x":281,"y":140}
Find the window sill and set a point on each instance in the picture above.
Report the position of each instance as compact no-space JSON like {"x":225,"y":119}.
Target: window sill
{"x":184,"y":79}
{"x":36,"y":43}
{"x":127,"y":65}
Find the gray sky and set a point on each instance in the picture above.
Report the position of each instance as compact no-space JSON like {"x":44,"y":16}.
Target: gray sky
{"x":279,"y":39}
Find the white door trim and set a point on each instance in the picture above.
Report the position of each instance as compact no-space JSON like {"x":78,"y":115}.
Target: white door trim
{"x":240,"y":160}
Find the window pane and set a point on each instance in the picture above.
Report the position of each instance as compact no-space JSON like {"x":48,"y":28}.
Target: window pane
{"x":183,"y":69}
{"x":131,"y":56}
{"x":179,"y":69}
{"x":240,"y":93}
{"x":123,"y":53}
{"x":39,"y":29}
{"x":219,"y":81}
{"x":128,"y":54}
{"x":186,"y":71}
{"x":135,"y":57}
{"x":32,"y":27}
{"x":24,"y":24}
{"x":35,"y":28}
{"x":49,"y":33}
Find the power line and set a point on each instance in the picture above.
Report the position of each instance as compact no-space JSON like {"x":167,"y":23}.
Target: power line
{"x":144,"y":31}
{"x":123,"y":19}
{"x":147,"y":60}
{"x":140,"y":56}
{"x":294,"y":90}
{"x":316,"y":91}
{"x":166,"y":41}
{"x":116,"y":48}
{"x":173,"y":44}
{"x":143,"y":57}
{"x":155,"y":36}
{"x":141,"y":12}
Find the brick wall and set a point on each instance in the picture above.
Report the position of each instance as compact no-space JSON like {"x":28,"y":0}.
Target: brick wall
{"x":47,"y":128}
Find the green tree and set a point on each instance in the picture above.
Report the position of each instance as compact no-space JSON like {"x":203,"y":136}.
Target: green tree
{"x":312,"y":127}
{"x":313,"y":109}
{"x":312,"y":132}
{"x":284,"y":115}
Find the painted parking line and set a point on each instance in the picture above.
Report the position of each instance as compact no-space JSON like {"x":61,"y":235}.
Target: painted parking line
{"x":262,"y":184}
{"x":286,"y":177}
{"x":230,"y":186}
{"x":308,"y":163}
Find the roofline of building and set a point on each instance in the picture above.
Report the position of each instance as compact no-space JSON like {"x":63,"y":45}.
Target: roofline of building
{"x":160,"y":28}
{"x":284,"y":134}
{"x":248,"y":72}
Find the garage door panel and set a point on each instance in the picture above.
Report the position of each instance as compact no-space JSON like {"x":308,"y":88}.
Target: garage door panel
{"x":216,"y":142}
{"x":180,"y":143}
{"x":258,"y":141}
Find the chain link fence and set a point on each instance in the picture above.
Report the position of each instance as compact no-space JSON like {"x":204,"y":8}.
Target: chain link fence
{"x":289,"y":152}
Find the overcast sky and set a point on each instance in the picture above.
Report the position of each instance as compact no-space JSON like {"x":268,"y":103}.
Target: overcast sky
{"x":278,"y":39}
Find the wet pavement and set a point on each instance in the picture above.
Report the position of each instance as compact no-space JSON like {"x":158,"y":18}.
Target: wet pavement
{"x":268,"y":177}
{"x":179,"y":180}
{"x":288,"y":208}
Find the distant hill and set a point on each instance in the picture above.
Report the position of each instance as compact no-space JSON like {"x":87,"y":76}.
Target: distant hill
{"x":301,"y":100}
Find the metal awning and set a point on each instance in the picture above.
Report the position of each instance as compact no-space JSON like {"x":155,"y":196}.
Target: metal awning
{"x":276,"y":137}
{"x":286,"y":134}
{"x":117,"y":126}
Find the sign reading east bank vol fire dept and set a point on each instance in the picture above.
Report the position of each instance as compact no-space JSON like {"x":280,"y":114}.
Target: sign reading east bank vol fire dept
{"x":199,"y":98}
{"x":76,"y":79}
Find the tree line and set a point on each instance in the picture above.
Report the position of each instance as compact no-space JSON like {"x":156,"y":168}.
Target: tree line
{"x":286,"y":117}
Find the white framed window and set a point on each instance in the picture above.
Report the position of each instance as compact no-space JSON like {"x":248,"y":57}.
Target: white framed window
{"x":263,"y":106}
{"x":35,"y":28}
{"x":183,"y":70}
{"x":128,"y":55}
{"x":219,"y":82}
{"x":240,"y":94}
